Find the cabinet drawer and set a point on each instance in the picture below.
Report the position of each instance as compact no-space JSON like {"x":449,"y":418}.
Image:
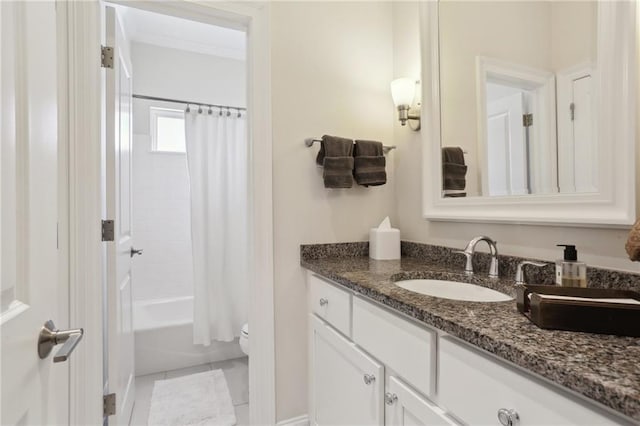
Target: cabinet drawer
{"x":330,"y":303}
{"x":406,"y":348}
{"x":473,"y":386}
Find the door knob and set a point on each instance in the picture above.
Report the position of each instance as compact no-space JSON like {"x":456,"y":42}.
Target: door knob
{"x":136,"y":251}
{"x":508,"y":417}
{"x":50,"y":336}
{"x":323,"y":302}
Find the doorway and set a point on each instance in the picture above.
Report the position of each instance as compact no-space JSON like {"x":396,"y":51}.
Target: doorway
{"x":172,"y":317}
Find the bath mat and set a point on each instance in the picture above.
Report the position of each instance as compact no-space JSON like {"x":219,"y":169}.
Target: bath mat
{"x":198,"y":399}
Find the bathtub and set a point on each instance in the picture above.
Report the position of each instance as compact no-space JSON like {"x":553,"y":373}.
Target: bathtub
{"x":164,"y":337}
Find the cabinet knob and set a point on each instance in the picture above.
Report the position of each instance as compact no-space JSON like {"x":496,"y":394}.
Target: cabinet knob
{"x":390,"y":398}
{"x":369,"y":379}
{"x":324,"y":302}
{"x":508,"y":417}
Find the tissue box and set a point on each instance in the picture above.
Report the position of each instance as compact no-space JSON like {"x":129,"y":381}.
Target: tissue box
{"x":384,"y":244}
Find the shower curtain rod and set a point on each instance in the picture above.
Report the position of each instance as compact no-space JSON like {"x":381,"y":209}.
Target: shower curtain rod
{"x":177,"y":101}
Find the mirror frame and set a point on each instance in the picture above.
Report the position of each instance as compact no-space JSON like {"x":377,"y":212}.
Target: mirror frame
{"x":614,"y":205}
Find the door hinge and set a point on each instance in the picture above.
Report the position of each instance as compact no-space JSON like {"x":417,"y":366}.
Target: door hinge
{"x":527,"y":120}
{"x":572,"y":109}
{"x":108,"y":230}
{"x":106,"y":57}
{"x":109,"y":405}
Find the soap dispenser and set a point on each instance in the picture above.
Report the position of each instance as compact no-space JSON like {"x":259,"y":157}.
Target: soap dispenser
{"x":570,"y":272}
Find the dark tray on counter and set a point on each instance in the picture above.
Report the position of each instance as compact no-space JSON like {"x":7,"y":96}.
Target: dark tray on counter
{"x":591,"y":316}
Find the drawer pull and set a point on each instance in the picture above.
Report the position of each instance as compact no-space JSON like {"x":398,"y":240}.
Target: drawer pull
{"x":369,"y":379}
{"x":324,"y":302}
{"x":508,"y":417}
{"x":390,"y":398}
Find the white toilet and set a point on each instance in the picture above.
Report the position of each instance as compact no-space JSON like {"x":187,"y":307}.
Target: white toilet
{"x":244,"y":339}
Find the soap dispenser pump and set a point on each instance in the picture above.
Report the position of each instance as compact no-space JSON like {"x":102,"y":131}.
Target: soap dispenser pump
{"x":570,"y":272}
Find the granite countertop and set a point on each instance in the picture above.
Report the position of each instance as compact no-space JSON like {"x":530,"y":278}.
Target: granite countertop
{"x":601,"y":367}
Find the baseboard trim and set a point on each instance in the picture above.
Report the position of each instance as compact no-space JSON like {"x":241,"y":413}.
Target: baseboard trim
{"x":295,"y":421}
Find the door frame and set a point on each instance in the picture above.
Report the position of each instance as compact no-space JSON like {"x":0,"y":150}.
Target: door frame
{"x":80,"y":53}
{"x":543,"y":108}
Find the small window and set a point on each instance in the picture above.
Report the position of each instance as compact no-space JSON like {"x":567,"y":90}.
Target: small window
{"x":167,"y":130}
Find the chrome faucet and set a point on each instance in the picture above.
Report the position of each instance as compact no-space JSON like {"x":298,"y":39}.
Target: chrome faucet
{"x":520,"y":274}
{"x":469,"y":250}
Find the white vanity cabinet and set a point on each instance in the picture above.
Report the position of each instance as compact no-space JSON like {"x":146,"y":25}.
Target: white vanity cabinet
{"x":347,"y":383}
{"x":347,"y":386}
{"x":371,"y":366}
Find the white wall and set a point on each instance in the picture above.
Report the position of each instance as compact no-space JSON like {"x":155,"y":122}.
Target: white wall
{"x":598,"y":247}
{"x":176,"y":74}
{"x":161,"y":216}
{"x":331,"y":67}
{"x":576,"y":42}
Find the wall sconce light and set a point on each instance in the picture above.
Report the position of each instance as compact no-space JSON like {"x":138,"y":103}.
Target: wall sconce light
{"x":403,"y":92}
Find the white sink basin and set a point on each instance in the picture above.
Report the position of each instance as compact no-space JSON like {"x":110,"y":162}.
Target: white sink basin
{"x":453,"y":290}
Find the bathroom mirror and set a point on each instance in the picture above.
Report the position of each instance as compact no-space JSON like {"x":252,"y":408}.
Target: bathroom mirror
{"x":531,"y":111}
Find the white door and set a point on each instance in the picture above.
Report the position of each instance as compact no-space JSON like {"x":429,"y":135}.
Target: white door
{"x":577,"y":145}
{"x":406,"y":407}
{"x":506,"y":146}
{"x":34,"y":391}
{"x":585,"y":171}
{"x":118,"y":205}
{"x":347,"y":384}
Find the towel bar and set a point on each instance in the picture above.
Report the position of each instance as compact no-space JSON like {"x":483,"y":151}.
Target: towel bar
{"x":310,"y":141}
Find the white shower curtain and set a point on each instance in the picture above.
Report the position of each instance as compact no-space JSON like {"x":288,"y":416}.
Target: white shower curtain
{"x":217,"y":157}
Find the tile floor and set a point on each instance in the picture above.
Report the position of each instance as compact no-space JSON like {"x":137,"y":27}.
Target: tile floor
{"x":235,"y":371}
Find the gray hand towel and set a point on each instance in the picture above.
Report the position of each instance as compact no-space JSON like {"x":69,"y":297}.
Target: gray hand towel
{"x":454,"y":170}
{"x":453,"y":154}
{"x":454,"y":194}
{"x":337,"y":172}
{"x":369,"y":164}
{"x":334,"y":146}
{"x":453,"y":176}
{"x":336,"y":156}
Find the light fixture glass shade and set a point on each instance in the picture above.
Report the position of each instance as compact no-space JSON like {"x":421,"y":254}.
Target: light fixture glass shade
{"x":403,"y":90}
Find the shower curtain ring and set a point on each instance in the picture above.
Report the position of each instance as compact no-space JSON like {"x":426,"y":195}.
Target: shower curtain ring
{"x":220,"y":112}
{"x":188,"y":109}
{"x":239,"y":113}
{"x":210,"y":111}
{"x":199,"y":109}
{"x":228,"y":112}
